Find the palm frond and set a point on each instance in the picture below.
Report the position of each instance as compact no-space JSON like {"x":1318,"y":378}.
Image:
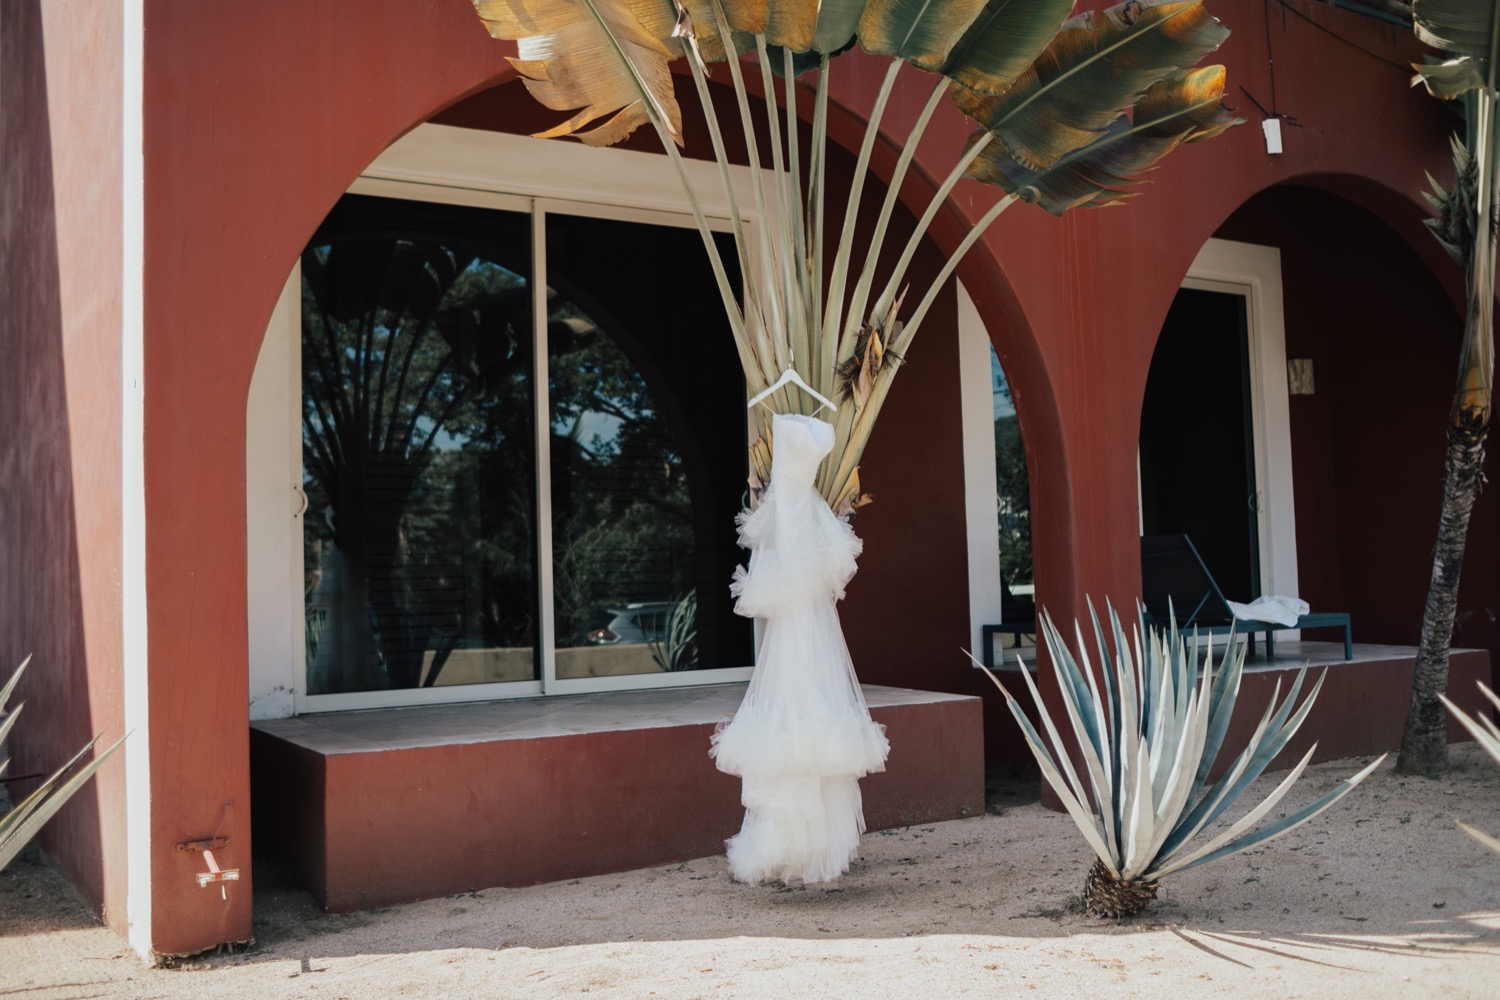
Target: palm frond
{"x":1097,"y":64}
{"x":1467,"y":27}
{"x":921,"y":32}
{"x":1002,"y":42}
{"x":1042,"y":86}
{"x":569,"y":62}
{"x":1185,"y":107}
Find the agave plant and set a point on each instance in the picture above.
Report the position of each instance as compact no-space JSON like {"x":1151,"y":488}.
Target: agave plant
{"x":1070,"y":111}
{"x":18,"y":826}
{"x":675,"y":647}
{"x":1149,"y":725}
{"x":1487,"y":735}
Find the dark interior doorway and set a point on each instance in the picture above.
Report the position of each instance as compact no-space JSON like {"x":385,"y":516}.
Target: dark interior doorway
{"x":1197,"y":446}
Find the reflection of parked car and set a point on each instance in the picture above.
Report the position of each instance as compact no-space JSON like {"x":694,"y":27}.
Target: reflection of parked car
{"x":645,"y":622}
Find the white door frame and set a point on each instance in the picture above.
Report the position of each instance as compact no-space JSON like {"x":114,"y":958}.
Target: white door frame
{"x":1254,"y":272}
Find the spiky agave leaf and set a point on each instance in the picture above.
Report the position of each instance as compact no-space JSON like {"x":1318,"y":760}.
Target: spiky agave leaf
{"x":569,"y":63}
{"x":1185,"y":107}
{"x":1098,"y":64}
{"x":1148,"y":734}
{"x":1482,"y":727}
{"x":1453,"y":226}
{"x":21,"y":823}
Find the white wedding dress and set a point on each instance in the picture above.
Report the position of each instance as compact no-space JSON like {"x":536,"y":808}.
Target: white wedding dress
{"x":803,"y":737}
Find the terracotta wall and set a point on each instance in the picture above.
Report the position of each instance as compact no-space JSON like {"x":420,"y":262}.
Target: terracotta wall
{"x":60,"y":270}
{"x":256,"y":124}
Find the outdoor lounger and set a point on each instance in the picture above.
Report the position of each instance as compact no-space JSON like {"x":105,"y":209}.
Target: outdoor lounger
{"x":1174,"y":576}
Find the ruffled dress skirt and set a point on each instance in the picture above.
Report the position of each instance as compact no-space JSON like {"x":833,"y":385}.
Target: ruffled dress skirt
{"x":802,"y":738}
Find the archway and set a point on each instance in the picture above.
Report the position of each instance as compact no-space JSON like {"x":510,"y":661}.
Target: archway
{"x":920,"y":450}
{"x":1371,"y":337}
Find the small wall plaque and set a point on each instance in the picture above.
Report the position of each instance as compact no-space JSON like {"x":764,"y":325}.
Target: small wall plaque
{"x":1299,"y":376}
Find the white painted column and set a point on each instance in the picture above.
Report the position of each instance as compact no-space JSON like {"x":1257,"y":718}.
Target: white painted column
{"x":134,"y":650}
{"x":981,"y":513}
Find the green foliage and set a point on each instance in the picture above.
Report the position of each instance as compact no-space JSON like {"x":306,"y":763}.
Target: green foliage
{"x":1150,"y":723}
{"x":416,"y":401}
{"x":22,"y":822}
{"x":1013,"y":501}
{"x":676,"y":648}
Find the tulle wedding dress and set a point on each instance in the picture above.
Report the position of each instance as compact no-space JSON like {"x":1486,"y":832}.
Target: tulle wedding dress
{"x":803,"y":737}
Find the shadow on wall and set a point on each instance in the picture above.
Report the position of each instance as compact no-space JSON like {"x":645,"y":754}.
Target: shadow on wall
{"x":41,"y":607}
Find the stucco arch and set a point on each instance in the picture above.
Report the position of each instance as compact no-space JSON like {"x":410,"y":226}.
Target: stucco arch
{"x":243,"y":158}
{"x":254,"y":128}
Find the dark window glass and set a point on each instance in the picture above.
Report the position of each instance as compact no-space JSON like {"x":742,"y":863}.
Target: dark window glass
{"x":419,"y":461}
{"x":648,"y":451}
{"x":418,"y":450}
{"x":1013,"y":502}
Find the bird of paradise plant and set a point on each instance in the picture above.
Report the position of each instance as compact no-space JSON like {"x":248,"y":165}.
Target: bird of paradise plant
{"x":1070,"y":110}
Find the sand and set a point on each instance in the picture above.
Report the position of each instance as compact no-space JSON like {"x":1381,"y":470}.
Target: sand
{"x":1380,"y":897}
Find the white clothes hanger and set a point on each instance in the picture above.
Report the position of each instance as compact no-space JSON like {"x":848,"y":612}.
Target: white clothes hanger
{"x":790,"y":375}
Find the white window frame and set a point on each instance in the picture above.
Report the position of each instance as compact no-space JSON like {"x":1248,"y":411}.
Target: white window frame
{"x":981,"y":508}
{"x":458,"y":167}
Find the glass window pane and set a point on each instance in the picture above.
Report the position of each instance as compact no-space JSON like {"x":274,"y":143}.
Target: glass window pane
{"x":1013,"y":500}
{"x":418,"y":454}
{"x":648,"y":451}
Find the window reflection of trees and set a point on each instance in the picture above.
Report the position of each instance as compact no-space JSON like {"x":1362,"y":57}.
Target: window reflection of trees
{"x":418,"y":458}
{"x":1012,"y":487}
{"x":622,"y":512}
{"x":419,"y":438}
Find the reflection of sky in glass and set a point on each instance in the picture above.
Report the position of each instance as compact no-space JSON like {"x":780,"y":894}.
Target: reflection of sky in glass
{"x":595,"y":430}
{"x":999,"y":390}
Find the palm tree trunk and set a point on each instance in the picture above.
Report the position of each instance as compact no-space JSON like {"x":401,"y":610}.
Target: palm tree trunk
{"x":1424,"y":745}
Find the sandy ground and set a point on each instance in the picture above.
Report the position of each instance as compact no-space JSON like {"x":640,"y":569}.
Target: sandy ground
{"x":1381,"y":897}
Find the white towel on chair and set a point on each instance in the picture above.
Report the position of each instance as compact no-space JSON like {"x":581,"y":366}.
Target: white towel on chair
{"x":1281,"y":610}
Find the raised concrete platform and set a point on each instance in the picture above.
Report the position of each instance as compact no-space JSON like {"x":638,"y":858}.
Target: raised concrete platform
{"x":374,"y":808}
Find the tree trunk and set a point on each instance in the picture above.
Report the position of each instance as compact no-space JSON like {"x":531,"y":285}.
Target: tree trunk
{"x":1424,"y":745}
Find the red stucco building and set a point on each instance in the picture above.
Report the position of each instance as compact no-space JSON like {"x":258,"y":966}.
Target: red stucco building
{"x":172,"y":166}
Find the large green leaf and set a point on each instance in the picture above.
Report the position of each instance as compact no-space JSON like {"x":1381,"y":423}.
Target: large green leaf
{"x":922,"y":32}
{"x":838,"y":20}
{"x":1467,"y":27}
{"x":1099,"y":64}
{"x":791,"y":24}
{"x":1451,"y":78}
{"x":1003,"y":41}
{"x":1184,"y":108}
{"x":570,"y":62}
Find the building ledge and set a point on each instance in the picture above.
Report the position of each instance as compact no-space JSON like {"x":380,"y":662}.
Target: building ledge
{"x":392,"y":805}
{"x":413,"y":727}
